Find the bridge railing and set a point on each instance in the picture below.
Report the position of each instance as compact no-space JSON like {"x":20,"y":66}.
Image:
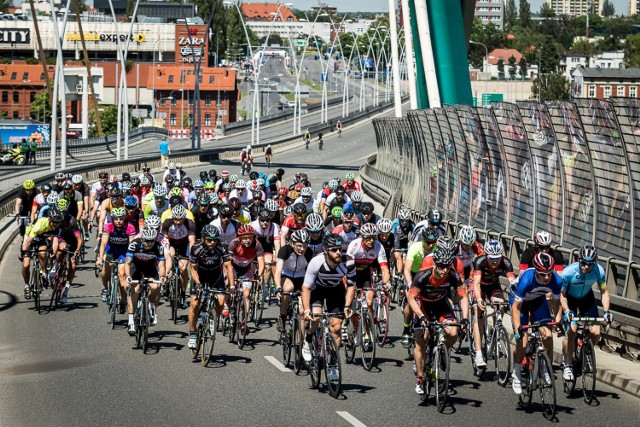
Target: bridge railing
{"x":571,"y":168}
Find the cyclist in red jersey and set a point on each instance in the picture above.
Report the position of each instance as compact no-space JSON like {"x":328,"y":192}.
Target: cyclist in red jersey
{"x":294,"y":221}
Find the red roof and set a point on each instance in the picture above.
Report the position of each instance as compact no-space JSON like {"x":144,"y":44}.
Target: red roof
{"x":25,"y":74}
{"x":504,"y":54}
{"x":168,"y":78}
{"x":267,"y":11}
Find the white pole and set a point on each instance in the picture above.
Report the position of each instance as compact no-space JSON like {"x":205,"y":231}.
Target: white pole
{"x":85,"y":107}
{"x":395,"y":59}
{"x":409,"y":59}
{"x":427,"y":54}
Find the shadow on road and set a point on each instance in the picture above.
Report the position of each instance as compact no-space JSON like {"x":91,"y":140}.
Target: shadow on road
{"x":12,"y":301}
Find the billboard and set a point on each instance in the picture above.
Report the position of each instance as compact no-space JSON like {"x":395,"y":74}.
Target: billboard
{"x":14,"y":133}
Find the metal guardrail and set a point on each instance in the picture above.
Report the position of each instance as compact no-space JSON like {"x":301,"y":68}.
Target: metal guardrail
{"x":571,"y":168}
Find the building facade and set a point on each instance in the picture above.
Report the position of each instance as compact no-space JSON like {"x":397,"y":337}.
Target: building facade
{"x":490,"y":12}
{"x":634,"y":7}
{"x":603,"y":83}
{"x":575,"y":7}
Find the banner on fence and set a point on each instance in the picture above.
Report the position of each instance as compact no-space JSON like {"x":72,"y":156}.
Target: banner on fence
{"x":14,"y":133}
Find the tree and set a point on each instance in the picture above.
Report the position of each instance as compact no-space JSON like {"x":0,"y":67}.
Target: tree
{"x":546,"y":11}
{"x":525,"y":14}
{"x":501,"y":68}
{"x":510,"y":15}
{"x":522,"y":65}
{"x":4,"y":5}
{"x":608,"y":9}
{"x":632,"y":50}
{"x":41,"y":107}
{"x":550,"y":86}
{"x":512,"y":67}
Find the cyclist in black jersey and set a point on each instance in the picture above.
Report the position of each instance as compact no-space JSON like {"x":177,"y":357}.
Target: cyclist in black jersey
{"x":315,"y":226}
{"x":70,"y":239}
{"x":203,"y":213}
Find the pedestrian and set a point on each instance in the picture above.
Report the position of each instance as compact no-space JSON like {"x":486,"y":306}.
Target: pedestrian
{"x":25,"y":150}
{"x":34,"y":149}
{"x":164,"y":152}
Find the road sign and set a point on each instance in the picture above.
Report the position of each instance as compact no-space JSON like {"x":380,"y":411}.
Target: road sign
{"x":324,"y":77}
{"x":139,"y":112}
{"x":488,"y":98}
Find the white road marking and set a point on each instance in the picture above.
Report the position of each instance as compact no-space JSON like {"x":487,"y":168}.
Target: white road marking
{"x":275,"y":362}
{"x":350,"y":419}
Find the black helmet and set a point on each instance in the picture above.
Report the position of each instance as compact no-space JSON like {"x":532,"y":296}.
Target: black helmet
{"x":331,"y":241}
{"x":253,"y":175}
{"x":126,"y":177}
{"x":280,"y":172}
{"x":264,"y":215}
{"x":212,"y":173}
{"x":146,"y":169}
{"x":67,"y":185}
{"x":226,"y":210}
{"x":169,"y":178}
{"x":187,"y":182}
{"x":235,"y":202}
{"x":55,"y":215}
{"x":443,"y":256}
{"x":135,"y":181}
{"x":103,"y":175}
{"x":175,"y":201}
{"x":588,"y":253}
{"x":434,"y":216}
{"x":204,"y":175}
{"x":429,"y":234}
{"x":204,"y":200}
{"x":45,"y":188}
{"x":116,"y":192}
{"x":256,"y":194}
{"x":299,"y":209}
{"x":366,"y":208}
{"x":340,"y":189}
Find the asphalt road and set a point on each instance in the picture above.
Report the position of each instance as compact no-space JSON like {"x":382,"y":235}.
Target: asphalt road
{"x":69,"y":368}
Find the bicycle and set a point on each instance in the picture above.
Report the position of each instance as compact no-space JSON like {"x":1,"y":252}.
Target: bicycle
{"x":584,"y":359}
{"x":114,"y":292}
{"x":325,"y":354}
{"x":256,"y":309}
{"x":495,"y":345}
{"x":291,"y":338}
{"x":238,"y":317}
{"x":380,"y":305}
{"x":246,"y":167}
{"x":96,"y":251}
{"x":436,"y":364}
{"x":537,"y":372}
{"x":38,"y":277}
{"x":60,"y":279}
{"x":142,"y":317}
{"x":174,"y":288}
{"x":366,"y":329}
{"x":207,"y":326}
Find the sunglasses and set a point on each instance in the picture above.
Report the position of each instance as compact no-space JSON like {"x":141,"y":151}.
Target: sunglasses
{"x":442,"y":266}
{"x":587,"y":263}
{"x":265,"y":221}
{"x":544,"y":248}
{"x":225,"y":216}
{"x":545,"y":275}
{"x":209,"y":240}
{"x":338,"y":249}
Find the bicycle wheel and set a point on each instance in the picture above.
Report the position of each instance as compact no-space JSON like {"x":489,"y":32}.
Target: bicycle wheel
{"x":36,"y":289}
{"x":144,"y":322}
{"x":588,"y":360}
{"x":462,"y":335}
{"x":258,"y":307}
{"x":113,"y":301}
{"x":229,"y":327}
{"x":441,"y":374}
{"x":175,"y":298}
{"x":332,"y":366}
{"x":56,"y":291}
{"x":382,"y":327}
{"x":502,"y":356}
{"x":241,"y":325}
{"x":367,"y":346}
{"x":349,"y":343}
{"x":296,"y":344}
{"x":209,"y":339}
{"x":547,"y":386}
{"x":286,"y":338}
{"x":314,"y":367}
{"x":525,"y":398}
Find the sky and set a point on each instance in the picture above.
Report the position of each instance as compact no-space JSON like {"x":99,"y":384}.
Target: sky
{"x":622,"y":6}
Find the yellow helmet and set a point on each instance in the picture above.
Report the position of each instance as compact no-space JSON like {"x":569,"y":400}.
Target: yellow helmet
{"x":28,"y":184}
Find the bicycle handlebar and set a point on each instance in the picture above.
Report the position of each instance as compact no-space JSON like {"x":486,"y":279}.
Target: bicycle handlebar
{"x":538,"y":325}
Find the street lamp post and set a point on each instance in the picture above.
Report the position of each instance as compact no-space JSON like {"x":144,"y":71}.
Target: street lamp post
{"x":485,"y":64}
{"x":158,"y":102}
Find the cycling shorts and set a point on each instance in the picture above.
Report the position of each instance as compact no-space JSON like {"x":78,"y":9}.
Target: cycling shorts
{"x":210,"y":282}
{"x":150,"y":271}
{"x":440,"y":310}
{"x":119,"y":256}
{"x":72,"y":245}
{"x":536,"y":310}
{"x":586,"y":307}
{"x":181,"y":249}
{"x":363,"y":278}
{"x":333,"y":297}
{"x":493,"y":290}
{"x":297,"y":282}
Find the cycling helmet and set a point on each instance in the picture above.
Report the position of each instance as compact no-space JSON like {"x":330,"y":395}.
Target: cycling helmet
{"x":212,"y":173}
{"x":226,"y":210}
{"x":543,"y":238}
{"x":224,"y":174}
{"x":76,"y":179}
{"x":588,"y":253}
{"x":246,"y":230}
{"x":446,"y":242}
{"x":443,"y":256}
{"x":429,"y":235}
{"x":233,"y":178}
{"x":260,"y":182}
{"x":331,"y":241}
{"x":45,"y":188}
{"x":250,"y":185}
{"x":131,"y":202}
{"x":356,"y":196}
{"x":298,"y":187}
{"x":204,"y":200}
{"x":213,"y":198}
{"x":115,"y":192}
{"x":366,"y":208}
{"x":210,"y":232}
{"x":340,"y":189}
{"x":113,"y":178}
{"x":493,"y":249}
{"x":52,"y":198}
{"x":28,"y":184}
{"x":293,"y":194}
{"x":62,"y":205}
{"x":333,"y":184}
{"x":204,"y":175}
{"x":235,"y":203}
{"x":256,"y":194}
{"x":145,"y":181}
{"x":55,"y":215}
{"x":306,"y":192}
{"x":226,"y":187}
{"x":198,"y":184}
{"x":434,"y":216}
{"x":118,"y":213}
{"x":348,"y":216}
{"x":209,"y":185}
{"x":178,"y":212}
{"x":314,"y":222}
{"x":126,"y":186}
{"x":404,"y":214}
{"x":300,"y":236}
{"x":175,"y":201}
{"x":350,"y":176}
{"x":109,"y":186}
{"x":159,"y":191}
{"x":126,"y":176}
{"x":241,"y":184}
{"x":101,"y":175}
{"x":283,"y":191}
{"x":172,"y":165}
{"x":59,"y":176}
{"x":287,"y":211}
{"x":148,"y":234}
{"x":146,"y":169}
{"x":152,"y":221}
{"x":336,"y":212}
{"x":384,"y":225}
{"x":271,"y":205}
{"x":169,"y":179}
{"x":261,"y":175}
{"x":299,"y":209}
{"x":135,"y":181}
{"x":176,"y":191}
{"x":467,"y":235}
{"x":65,"y":186}
{"x":264,"y":215}
{"x":543,"y":262}
{"x":368,"y":230}
{"x":179,"y":165}
{"x":280,"y":172}
{"x":187,"y":182}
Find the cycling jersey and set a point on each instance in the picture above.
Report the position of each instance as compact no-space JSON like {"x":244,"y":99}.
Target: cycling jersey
{"x":309,"y":205}
{"x":40,"y":229}
{"x":39,"y":201}
{"x":332,"y":201}
{"x":167,"y":214}
{"x":242,"y":257}
{"x":178,"y":234}
{"x":175,"y":174}
{"x":135,"y":218}
{"x":74,"y":199}
{"x":527,"y":287}
{"x":145,"y":260}
{"x":349,"y":188}
{"x":364,"y":257}
{"x":226,"y":236}
{"x":415,"y":256}
{"x":290,"y":223}
{"x":201,"y":219}
{"x":388,"y":246}
{"x":347,"y":236}
{"x":209,"y":260}
{"x":83,"y":189}
{"x":316,"y":244}
{"x":467,"y":257}
{"x":153,"y":208}
{"x":243,"y":217}
{"x":426,"y":288}
{"x":294,"y":265}
{"x":579,"y":285}
{"x":244,"y":197}
{"x":401,"y":235}
{"x":254,"y":210}
{"x":373,"y":219}
{"x":266,"y":236}
{"x":526,"y":260}
{"x":119,"y":238}
{"x":319,"y":274}
{"x":98,"y":189}
{"x":428,"y":263}
{"x":490,"y":275}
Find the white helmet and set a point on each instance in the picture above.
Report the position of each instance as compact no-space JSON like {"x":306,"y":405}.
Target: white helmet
{"x":178,"y":212}
{"x":306,"y":192}
{"x":368,"y":230}
{"x":404,"y":214}
{"x":148,"y":233}
{"x":384,"y":225}
{"x":172,"y":166}
{"x":333,"y":184}
{"x":159,"y":191}
{"x":260,"y":182}
{"x":52,"y":198}
{"x":271,"y":205}
{"x":467,"y":235}
{"x":543,"y":238}
{"x":356,"y":196}
{"x":314,"y":222}
{"x":493,"y":249}
{"x":213,"y":198}
{"x":241,"y":184}
{"x":76,"y":179}
{"x":152,"y":221}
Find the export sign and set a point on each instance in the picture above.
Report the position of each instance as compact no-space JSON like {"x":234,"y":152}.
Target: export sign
{"x":15,"y":35}
{"x":13,"y":134}
{"x":104,"y":37}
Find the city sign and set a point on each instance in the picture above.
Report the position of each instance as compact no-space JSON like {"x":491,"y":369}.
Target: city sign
{"x":15,"y":35}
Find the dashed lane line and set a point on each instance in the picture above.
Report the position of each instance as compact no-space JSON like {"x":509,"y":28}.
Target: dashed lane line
{"x":275,"y":362}
{"x":350,"y":419}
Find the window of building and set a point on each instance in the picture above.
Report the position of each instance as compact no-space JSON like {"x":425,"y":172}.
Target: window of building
{"x":211,"y":79}
{"x":25,"y":76}
{"x":171,"y":78}
{"x":207,"y":101}
{"x":633,"y":91}
{"x":620,"y":90}
{"x":14,"y":75}
{"x":207,"y":119}
{"x":16,"y":115}
{"x":163,"y":101}
{"x":606,"y":92}
{"x":173,"y":100}
{"x":190,"y":98}
{"x":172,"y":119}
{"x":41,"y":76}
{"x":190,"y":119}
{"x":32,"y":96}
{"x":5,"y":96}
{"x":16,"y":96}
{"x":199,"y":79}
{"x":592,"y":91}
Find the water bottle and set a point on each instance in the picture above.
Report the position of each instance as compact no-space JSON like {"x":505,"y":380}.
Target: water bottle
{"x":203,"y":318}
{"x":53,"y":270}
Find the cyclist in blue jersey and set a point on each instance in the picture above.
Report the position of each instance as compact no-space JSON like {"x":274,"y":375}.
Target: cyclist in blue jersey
{"x":577,"y":299}
{"x":529,"y":304}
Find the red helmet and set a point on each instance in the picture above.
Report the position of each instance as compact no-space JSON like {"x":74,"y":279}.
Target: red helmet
{"x":298,"y":187}
{"x":113,"y":178}
{"x":543,"y":262}
{"x":246,"y":230}
{"x":283,"y":191}
{"x":224,"y":174}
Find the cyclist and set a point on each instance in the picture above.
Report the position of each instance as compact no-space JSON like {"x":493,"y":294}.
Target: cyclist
{"x":24,"y":202}
{"x":40,"y":200}
{"x":59,"y":178}
{"x":401,"y":232}
{"x":210,"y":262}
{"x":543,"y":241}
{"x":115,"y":200}
{"x":337,"y":198}
{"x":159,"y":204}
{"x":322,"y":197}
{"x":133,"y":213}
{"x":240,"y":192}
{"x":306,"y":198}
{"x":146,"y":173}
{"x":434,"y":220}
{"x":116,"y":236}
{"x":181,"y":232}
{"x":175,"y":200}
{"x":320,"y":140}
{"x":315,"y":227}
{"x":468,"y":249}
{"x":274,"y":181}
{"x":577,"y":299}
{"x":384,"y":237}
{"x":198,"y":189}
{"x":355,"y":203}
{"x":529,"y":304}
{"x":82,"y":188}
{"x":203,"y":213}
{"x":70,"y":239}
{"x":293,"y":221}
{"x":339,"y":129}
{"x":350,"y":184}
{"x":244,"y":250}
{"x":256,"y":205}
{"x":367,"y":215}
{"x":487,"y":270}
{"x":268,"y":155}
{"x":246,"y":159}
{"x":227,"y":225}
{"x":291,"y":265}
{"x":429,"y":301}
{"x":146,"y":257}
{"x":239,"y":213}
{"x":40,"y":235}
{"x":334,"y":220}
{"x":268,"y":234}
{"x":347,"y":230}
{"x":171,"y":172}
{"x":224,"y":179}
{"x":323,"y":286}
